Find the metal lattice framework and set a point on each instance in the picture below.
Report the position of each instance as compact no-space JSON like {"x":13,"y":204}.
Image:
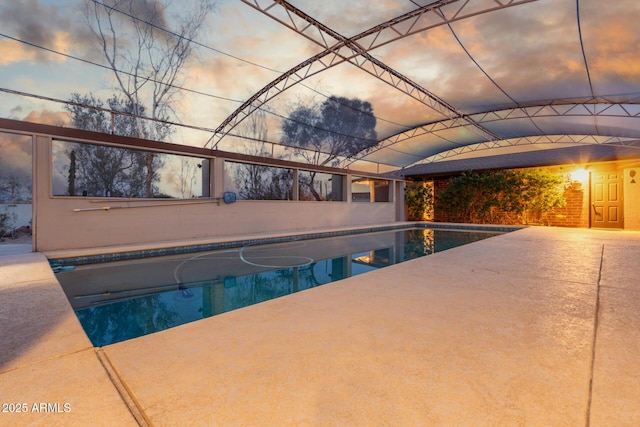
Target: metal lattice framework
{"x":596,"y":108}
{"x":339,"y":49}
{"x":433,"y":141}
{"x":528,"y":140}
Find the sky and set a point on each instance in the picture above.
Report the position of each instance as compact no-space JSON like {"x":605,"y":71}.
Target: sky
{"x":525,"y":54}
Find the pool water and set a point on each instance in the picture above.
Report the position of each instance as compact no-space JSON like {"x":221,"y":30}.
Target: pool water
{"x":122,"y":300}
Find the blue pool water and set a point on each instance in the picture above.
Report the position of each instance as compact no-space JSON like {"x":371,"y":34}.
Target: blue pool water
{"x":121,"y":300}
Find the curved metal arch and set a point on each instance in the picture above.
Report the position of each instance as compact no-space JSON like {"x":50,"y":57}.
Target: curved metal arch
{"x":421,"y":19}
{"x":586,"y":108}
{"x":524,"y":140}
{"x":529,"y":140}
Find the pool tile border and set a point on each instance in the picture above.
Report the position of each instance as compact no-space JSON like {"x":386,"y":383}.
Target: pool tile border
{"x":185,"y":249}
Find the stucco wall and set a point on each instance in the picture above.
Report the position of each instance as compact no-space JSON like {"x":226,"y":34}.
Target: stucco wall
{"x":632,"y":198}
{"x":59,"y":226}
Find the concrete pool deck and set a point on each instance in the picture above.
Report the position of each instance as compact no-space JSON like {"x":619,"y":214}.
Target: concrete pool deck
{"x":540,"y":326}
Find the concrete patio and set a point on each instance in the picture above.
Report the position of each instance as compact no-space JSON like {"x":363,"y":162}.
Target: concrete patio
{"x":538,"y":327}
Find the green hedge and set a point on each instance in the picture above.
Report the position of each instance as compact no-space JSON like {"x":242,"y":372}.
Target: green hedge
{"x":501,"y":197}
{"x":418,"y":197}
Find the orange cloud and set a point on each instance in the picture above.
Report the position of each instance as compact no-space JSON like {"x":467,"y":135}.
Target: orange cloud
{"x":612,"y":42}
{"x":47,"y":117}
{"x":13,"y":52}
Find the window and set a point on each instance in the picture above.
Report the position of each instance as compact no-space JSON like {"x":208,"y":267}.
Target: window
{"x":369,"y":190}
{"x":320,"y":186}
{"x":15,"y":169}
{"x":93,"y":170}
{"x":258,"y":182}
{"x":381,"y":191}
{"x":16,"y":176}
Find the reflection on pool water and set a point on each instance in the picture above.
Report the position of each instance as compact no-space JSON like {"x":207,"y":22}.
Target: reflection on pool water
{"x":123,"y":300}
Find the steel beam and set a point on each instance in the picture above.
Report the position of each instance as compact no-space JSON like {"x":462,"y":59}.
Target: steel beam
{"x":528,"y":140}
{"x":592,"y":107}
{"x":339,"y":49}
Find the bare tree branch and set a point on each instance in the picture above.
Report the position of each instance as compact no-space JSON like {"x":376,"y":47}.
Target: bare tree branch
{"x":146,"y":56}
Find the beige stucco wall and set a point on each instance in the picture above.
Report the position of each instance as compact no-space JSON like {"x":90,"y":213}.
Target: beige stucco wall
{"x":632,"y":197}
{"x":59,"y":227}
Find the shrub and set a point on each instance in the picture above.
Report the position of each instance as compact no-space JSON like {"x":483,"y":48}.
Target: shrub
{"x":7,"y":221}
{"x":501,"y":197}
{"x":418,"y":197}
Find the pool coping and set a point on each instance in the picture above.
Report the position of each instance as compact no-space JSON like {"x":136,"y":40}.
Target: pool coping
{"x":111,"y":254}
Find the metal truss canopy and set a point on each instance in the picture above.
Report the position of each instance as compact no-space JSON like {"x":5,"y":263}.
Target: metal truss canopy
{"x":599,"y":119}
{"x":352,"y":50}
{"x":600,"y":110}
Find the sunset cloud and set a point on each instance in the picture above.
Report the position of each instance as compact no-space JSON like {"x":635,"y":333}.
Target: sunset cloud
{"x":44,"y":30}
{"x":530,"y":53}
{"x":16,"y":159}
{"x":13,"y":52}
{"x":47,"y":117}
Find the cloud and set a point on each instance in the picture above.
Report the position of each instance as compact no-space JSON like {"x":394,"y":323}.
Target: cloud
{"x":47,"y":117}
{"x":13,"y":51}
{"x":529,"y":53}
{"x":15,"y":156}
{"x":525,"y":51}
{"x":29,"y":20}
{"x":151,"y":11}
{"x":361,"y":14}
{"x":611,"y":42}
{"x":39,"y":25}
{"x":16,"y":111}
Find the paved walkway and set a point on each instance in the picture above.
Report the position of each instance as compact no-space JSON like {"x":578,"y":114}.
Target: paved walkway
{"x":539,"y":327}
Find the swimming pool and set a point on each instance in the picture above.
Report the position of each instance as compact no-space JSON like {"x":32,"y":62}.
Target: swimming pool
{"x":120,"y":300}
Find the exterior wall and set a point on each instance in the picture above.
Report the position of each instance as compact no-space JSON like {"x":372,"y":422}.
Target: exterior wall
{"x":58,"y":227}
{"x":401,"y":208}
{"x":577,"y":211}
{"x":632,"y":196}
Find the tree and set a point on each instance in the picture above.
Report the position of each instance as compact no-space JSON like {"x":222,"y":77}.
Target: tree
{"x":339,"y":127}
{"x":83,"y":117}
{"x":7,"y":222}
{"x":101,"y":170}
{"x":71,"y":179}
{"x":186,"y":175}
{"x":261,"y":182}
{"x":254,"y":181}
{"x":145,"y":55}
{"x":418,"y":197}
{"x":255,"y":130}
{"x":146,"y":164}
{"x":13,"y":184}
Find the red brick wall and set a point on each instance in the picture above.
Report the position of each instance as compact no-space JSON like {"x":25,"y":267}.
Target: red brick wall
{"x":576,"y":211}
